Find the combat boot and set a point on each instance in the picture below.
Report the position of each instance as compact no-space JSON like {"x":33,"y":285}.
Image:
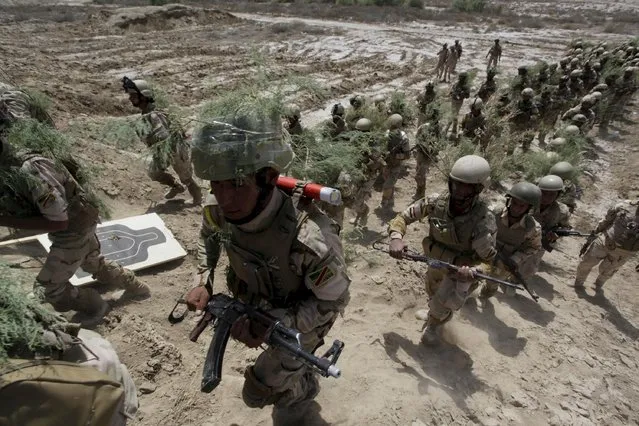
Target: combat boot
{"x":599,"y":286}
{"x":430,"y":336}
{"x":174,"y":190}
{"x":298,"y":413}
{"x":196,"y":192}
{"x":135,"y":289}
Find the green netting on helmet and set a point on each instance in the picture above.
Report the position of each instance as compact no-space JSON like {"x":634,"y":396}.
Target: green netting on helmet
{"x":22,"y":319}
{"x":223,"y":151}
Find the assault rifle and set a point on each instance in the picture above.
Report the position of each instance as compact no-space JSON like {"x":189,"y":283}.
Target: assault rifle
{"x":436,"y":263}
{"x":561,"y":232}
{"x":223,"y":310}
{"x":513,"y":269}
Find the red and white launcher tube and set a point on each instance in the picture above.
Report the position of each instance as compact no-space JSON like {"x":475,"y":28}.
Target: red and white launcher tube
{"x":311,"y":190}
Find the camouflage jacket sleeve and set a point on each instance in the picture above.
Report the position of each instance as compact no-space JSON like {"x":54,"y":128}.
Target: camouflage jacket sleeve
{"x":209,"y":245}
{"x":416,"y":211}
{"x":531,"y":245}
{"x":320,"y":258}
{"x":484,"y":235}
{"x":607,"y":221}
{"x":156,"y":128}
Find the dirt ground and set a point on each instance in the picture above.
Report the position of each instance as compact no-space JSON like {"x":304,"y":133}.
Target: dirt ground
{"x":566,"y":360}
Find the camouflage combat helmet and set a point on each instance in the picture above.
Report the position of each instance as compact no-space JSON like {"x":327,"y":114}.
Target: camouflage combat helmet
{"x":587,"y":101}
{"x":575,"y":73}
{"x":596,"y":66}
{"x":527,"y":93}
{"x":141,"y":87}
{"x":557,"y":142}
{"x":563,"y":169}
{"x":379,"y":99}
{"x":477,"y":104}
{"x":579,"y":119}
{"x":601,"y":87}
{"x":572,"y":130}
{"x":395,"y":121}
{"x":364,"y":125}
{"x":526,"y":192}
{"x":471,"y":169}
{"x":292,"y":111}
{"x":357,"y":101}
{"x":628,"y":71}
{"x":338,"y":109}
{"x":221,"y":151}
{"x":564,"y":61}
{"x":596,"y":96}
{"x":551,"y":183}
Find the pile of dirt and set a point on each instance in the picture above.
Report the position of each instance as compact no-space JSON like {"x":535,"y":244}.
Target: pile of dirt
{"x":151,"y":18}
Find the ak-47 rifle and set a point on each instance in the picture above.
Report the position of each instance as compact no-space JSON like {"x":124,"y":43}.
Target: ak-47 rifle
{"x":436,"y":263}
{"x":513,"y":269}
{"x":560,"y":232}
{"x":591,"y":237}
{"x":224,"y":310}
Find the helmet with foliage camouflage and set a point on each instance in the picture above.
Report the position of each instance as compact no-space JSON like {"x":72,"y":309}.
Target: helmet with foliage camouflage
{"x":572,"y":130}
{"x":292,"y":111}
{"x":601,"y":87}
{"x":141,"y":87}
{"x":364,"y":125}
{"x":563,"y":169}
{"x":357,"y":101}
{"x":379,"y":99}
{"x":477,"y":104}
{"x":471,"y":169}
{"x":575,"y":74}
{"x":579,"y":119}
{"x":551,"y":183}
{"x":527,"y":93}
{"x":221,"y":151}
{"x":395,"y":121}
{"x":338,"y":109}
{"x":596,"y":96}
{"x":526,"y":192}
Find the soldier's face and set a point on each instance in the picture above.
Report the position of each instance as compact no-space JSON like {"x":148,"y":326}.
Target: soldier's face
{"x":236,"y":197}
{"x":517,"y":208}
{"x":548,"y":197}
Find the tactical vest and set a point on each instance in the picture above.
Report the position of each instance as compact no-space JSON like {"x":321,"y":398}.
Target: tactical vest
{"x":625,"y":231}
{"x":450,"y":239}
{"x":260,"y":260}
{"x":510,"y":239}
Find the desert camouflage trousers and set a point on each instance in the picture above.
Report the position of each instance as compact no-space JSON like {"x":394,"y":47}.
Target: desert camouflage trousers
{"x":609,"y":261}
{"x":181,"y":163}
{"x":527,"y":267}
{"x":422,"y":167}
{"x":446,"y":294}
{"x":390,"y":173}
{"x":66,"y":255}
{"x":278,"y":378}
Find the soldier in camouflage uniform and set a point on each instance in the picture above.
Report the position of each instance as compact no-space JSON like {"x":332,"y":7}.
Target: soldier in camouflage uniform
{"x":293,"y":115}
{"x":589,"y":77}
{"x":548,"y":109}
{"x":398,"y":150}
{"x":576,"y":85}
{"x":15,"y":104}
{"x":442,"y":57}
{"x":520,"y":82}
{"x":619,"y":243}
{"x":518,"y":233}
{"x":563,"y":94}
{"x":70,"y":220}
{"x":523,"y":120}
{"x":494,"y":55}
{"x":474,"y":124}
{"x":451,"y":63}
{"x":302,"y":279}
{"x":570,"y":193}
{"x":355,"y":112}
{"x":541,"y":80}
{"x":458,"y":93}
{"x":336,"y":125}
{"x":552,"y":214}
{"x":427,"y":141}
{"x":584,"y":108}
{"x":425,"y":99}
{"x":159,"y":130}
{"x":623,"y":92}
{"x":488,"y":87}
{"x":461,"y":231}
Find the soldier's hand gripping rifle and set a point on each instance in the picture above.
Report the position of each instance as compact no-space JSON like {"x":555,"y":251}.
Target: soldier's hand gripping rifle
{"x":223,"y":310}
{"x":436,"y":263}
{"x":560,"y":232}
{"x":513,"y":269}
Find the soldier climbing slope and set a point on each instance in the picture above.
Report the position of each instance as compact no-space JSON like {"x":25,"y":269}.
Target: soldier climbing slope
{"x":494,"y":55}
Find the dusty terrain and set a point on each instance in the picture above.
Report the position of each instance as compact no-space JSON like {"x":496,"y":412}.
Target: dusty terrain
{"x":566,"y":360}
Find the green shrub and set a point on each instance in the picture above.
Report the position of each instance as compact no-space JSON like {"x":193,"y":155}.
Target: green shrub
{"x":469,"y":6}
{"x":416,"y":3}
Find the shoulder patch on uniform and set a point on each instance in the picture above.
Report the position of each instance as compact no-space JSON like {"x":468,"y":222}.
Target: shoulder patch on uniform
{"x":321,"y":276}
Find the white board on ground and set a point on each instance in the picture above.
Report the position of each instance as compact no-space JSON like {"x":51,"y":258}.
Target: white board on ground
{"x":136,"y":243}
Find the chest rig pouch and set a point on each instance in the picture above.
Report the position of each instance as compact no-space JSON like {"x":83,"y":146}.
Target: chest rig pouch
{"x":261,"y":260}
{"x":626,"y":232}
{"x":450,"y":239}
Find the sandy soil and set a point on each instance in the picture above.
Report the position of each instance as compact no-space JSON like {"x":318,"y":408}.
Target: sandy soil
{"x":566,"y":360}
